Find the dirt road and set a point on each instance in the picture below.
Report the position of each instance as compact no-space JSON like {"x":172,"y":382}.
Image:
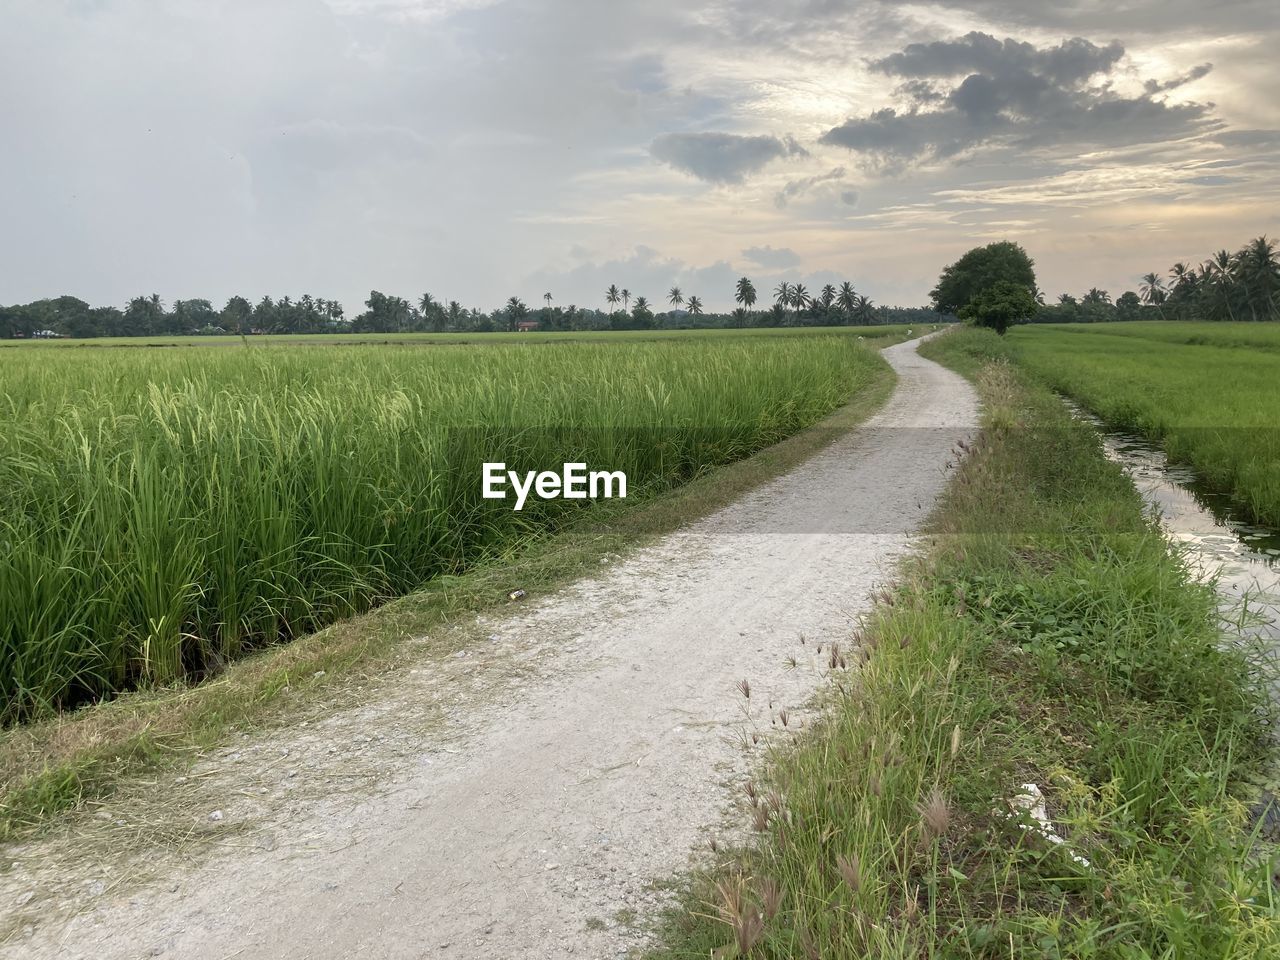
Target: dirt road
{"x":584,"y":754}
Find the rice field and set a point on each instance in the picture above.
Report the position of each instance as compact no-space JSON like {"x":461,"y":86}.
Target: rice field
{"x":164,"y":511}
{"x":1207,"y":392}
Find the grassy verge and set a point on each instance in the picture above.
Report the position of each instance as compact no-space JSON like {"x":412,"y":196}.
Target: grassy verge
{"x":50,"y":766}
{"x":1048,"y":637}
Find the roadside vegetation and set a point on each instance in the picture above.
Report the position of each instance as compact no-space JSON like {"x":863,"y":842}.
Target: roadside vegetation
{"x":1206,"y":392}
{"x":1049,"y":644}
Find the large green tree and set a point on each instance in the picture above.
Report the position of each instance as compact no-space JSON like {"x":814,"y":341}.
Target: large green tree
{"x":1000,"y":306}
{"x":981,"y":286}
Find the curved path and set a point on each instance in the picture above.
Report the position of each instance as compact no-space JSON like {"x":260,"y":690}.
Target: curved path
{"x":534,"y":820}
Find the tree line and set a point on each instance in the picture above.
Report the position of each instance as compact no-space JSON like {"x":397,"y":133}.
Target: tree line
{"x":793,"y":305}
{"x":995,"y":286}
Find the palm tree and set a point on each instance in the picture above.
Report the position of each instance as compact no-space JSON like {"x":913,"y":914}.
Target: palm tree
{"x":642,"y":303}
{"x":695,"y":305}
{"x":516,"y":311}
{"x":455,"y":314}
{"x":547,"y":297}
{"x":1096,"y":296}
{"x":800,"y":298}
{"x":1152,"y":289}
{"x":1180,"y":275}
{"x":864,"y":309}
{"x":847,"y":298}
{"x":675,"y":297}
{"x":782,"y":294}
{"x":1259,"y":274}
{"x":626,"y":299}
{"x":828,"y":296}
{"x":612,"y":296}
{"x":1221,"y":274}
{"x":745,"y":293}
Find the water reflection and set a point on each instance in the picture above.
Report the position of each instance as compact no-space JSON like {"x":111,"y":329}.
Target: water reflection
{"x":1243,"y":556}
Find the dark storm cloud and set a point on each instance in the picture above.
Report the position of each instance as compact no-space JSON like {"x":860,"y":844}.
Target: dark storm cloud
{"x":772,"y":258}
{"x":722,"y":157}
{"x":1013,"y":94}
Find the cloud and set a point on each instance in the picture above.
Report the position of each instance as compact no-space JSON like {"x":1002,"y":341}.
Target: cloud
{"x":796,"y":188}
{"x":1070,"y":62}
{"x":1195,"y":73}
{"x":772,"y":258}
{"x":722,"y":157}
{"x":981,"y":92}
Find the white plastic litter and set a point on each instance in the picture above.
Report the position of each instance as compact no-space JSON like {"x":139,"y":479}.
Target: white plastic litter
{"x":1031,"y":802}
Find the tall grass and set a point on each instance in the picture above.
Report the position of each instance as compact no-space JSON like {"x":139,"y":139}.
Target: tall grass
{"x":1206,"y":392}
{"x":162,"y":512}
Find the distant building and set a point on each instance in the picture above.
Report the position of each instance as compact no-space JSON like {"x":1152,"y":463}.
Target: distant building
{"x":46,"y":335}
{"x":524,"y":326}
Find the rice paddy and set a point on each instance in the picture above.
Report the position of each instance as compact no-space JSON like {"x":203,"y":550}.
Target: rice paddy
{"x":164,"y":511}
{"x":1207,"y":392}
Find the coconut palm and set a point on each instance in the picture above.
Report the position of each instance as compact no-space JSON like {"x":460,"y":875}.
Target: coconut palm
{"x":1179,"y":276}
{"x":782,"y":294}
{"x":612,"y":296}
{"x":626,"y":299}
{"x":1152,"y":290}
{"x":1220,"y":276}
{"x":847,"y":298}
{"x":828,"y":296}
{"x":800,"y":298}
{"x":642,"y":304}
{"x":516,"y":311}
{"x":1259,"y":276}
{"x":745,"y":293}
{"x":695,"y":305}
{"x":547,"y":297}
{"x":863,"y":308}
{"x":675,"y":297}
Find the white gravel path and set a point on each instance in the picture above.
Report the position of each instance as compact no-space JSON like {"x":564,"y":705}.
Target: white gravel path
{"x":529,"y":821}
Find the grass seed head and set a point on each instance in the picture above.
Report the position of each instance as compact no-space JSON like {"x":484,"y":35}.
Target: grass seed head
{"x":850,"y":869}
{"x":760,"y":818}
{"x":935,"y":814}
{"x":771,"y":896}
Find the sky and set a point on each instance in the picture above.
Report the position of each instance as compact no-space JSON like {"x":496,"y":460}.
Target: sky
{"x":480,"y":149}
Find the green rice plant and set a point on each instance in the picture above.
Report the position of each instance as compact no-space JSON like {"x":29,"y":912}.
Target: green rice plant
{"x":163,"y":511}
{"x":1205,"y":391}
